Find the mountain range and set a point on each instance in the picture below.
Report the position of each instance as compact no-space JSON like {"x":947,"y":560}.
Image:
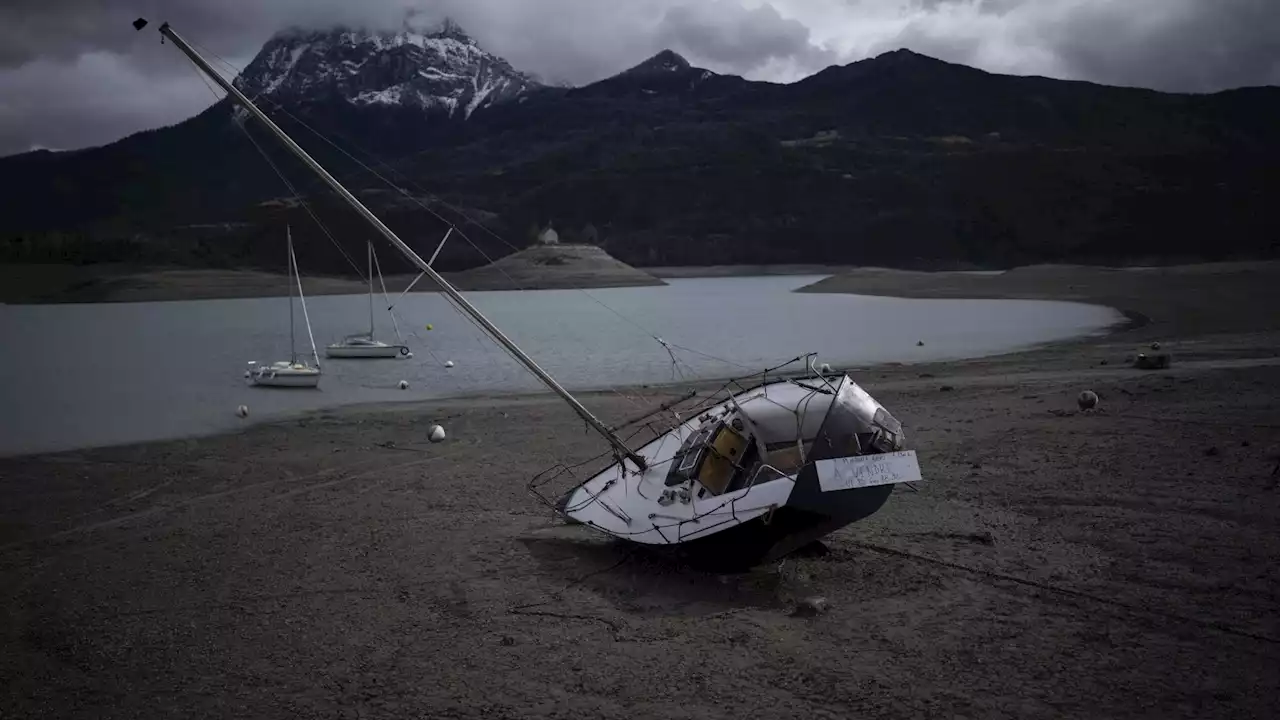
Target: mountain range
{"x":900,"y":160}
{"x":443,"y":71}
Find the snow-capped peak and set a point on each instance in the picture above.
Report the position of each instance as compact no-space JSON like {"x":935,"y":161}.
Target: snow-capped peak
{"x":437,"y":68}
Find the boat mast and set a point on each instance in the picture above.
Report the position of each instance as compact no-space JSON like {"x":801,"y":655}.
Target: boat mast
{"x":370,"y":243}
{"x":293,"y":345}
{"x":302,"y":299}
{"x":617,"y":443}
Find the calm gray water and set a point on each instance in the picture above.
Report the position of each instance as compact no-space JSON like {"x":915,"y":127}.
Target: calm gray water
{"x":86,"y":375}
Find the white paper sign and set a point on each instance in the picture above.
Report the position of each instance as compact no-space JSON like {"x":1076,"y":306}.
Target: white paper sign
{"x":847,"y":473}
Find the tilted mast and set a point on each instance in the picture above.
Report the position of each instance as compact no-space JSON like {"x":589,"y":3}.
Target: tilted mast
{"x":293,"y":342}
{"x":550,"y":382}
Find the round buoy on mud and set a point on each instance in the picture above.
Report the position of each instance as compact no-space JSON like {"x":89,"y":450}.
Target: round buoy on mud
{"x":428,"y":326}
{"x":448,"y":363}
{"x":436,"y":434}
{"x":410,"y":356}
{"x":242,"y":411}
{"x":826,"y":368}
{"x":1087,"y":400}
{"x":404,"y":384}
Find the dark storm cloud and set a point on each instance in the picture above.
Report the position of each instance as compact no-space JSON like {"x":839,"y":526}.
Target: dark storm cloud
{"x":95,"y":99}
{"x":74,"y":73}
{"x":740,"y":39}
{"x":1174,"y":45}
{"x":1178,"y":45}
{"x":580,"y":41}
{"x":62,"y":29}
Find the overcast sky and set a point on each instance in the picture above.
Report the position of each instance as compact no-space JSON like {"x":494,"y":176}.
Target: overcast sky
{"x":73,"y":73}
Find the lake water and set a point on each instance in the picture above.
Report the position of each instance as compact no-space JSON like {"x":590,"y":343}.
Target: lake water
{"x":86,"y":375}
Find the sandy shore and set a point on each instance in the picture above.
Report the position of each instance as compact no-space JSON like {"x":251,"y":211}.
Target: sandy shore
{"x":1119,"y":563}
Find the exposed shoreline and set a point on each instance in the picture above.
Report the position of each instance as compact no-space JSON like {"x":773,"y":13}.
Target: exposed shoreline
{"x":1182,"y":299}
{"x":534,"y":268}
{"x":339,"y":563}
{"x":27,"y":284}
{"x":712,"y":271}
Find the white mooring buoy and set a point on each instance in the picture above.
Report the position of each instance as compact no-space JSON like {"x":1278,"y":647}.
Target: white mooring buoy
{"x":436,"y":434}
{"x":404,"y":384}
{"x":448,"y":363}
{"x":242,"y":411}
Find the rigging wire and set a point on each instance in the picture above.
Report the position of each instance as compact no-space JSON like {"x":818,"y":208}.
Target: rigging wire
{"x":283,"y":110}
{"x":390,"y":311}
{"x":297,"y":275}
{"x":488,"y":259}
{"x":297,"y":196}
{"x":729,"y":388}
{"x":454,"y":228}
{"x":878,"y":548}
{"x":666,"y":345}
{"x":386,"y":297}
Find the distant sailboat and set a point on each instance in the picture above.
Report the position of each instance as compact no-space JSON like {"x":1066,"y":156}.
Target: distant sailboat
{"x":745,"y":478}
{"x":294,"y":373}
{"x":363,"y":345}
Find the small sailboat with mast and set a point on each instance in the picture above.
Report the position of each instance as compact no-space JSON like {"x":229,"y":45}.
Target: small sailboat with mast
{"x":365,"y":345}
{"x":293,"y":373}
{"x":752,"y":474}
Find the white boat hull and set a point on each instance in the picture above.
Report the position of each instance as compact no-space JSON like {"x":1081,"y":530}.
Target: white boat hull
{"x":286,"y":377}
{"x":766,"y":512}
{"x":368,"y":352}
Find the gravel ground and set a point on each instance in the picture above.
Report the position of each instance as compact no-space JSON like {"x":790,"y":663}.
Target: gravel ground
{"x":1055,"y":563}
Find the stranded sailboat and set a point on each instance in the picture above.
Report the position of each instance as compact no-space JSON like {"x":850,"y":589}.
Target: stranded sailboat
{"x":364,"y":345}
{"x":748,"y":477}
{"x":293,"y":374}
{"x":751,"y":477}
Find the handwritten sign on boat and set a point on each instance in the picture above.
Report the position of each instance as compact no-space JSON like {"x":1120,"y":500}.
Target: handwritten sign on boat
{"x":859,"y":471}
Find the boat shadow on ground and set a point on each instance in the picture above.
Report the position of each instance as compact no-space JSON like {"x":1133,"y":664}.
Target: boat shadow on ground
{"x":640,"y":580}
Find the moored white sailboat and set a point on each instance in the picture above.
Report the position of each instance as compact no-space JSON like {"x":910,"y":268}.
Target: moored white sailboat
{"x":286,"y":375}
{"x":292,"y":373}
{"x":364,"y":345}
{"x":752,"y":475}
